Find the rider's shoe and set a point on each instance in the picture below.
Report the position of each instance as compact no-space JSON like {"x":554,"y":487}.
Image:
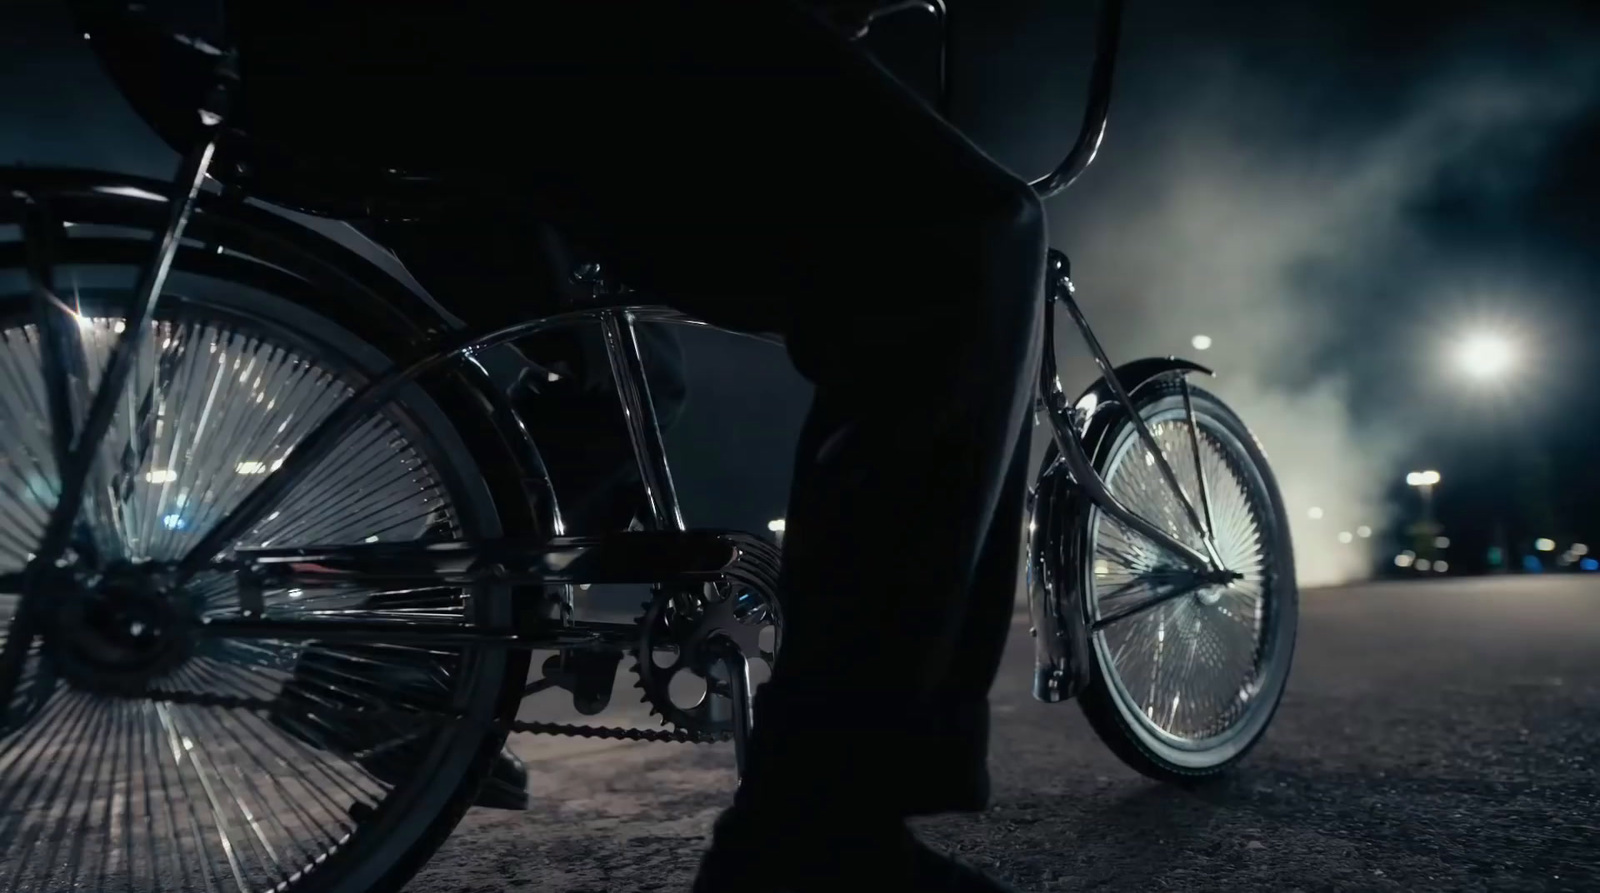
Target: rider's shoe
{"x":752,"y":855}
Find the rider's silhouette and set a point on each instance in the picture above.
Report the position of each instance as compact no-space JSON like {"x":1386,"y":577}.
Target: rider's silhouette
{"x":740,"y":159}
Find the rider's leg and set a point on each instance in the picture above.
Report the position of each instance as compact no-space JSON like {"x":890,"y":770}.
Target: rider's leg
{"x":781,"y":181}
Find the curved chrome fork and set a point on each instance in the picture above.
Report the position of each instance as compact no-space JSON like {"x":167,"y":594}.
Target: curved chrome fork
{"x":1060,"y":290}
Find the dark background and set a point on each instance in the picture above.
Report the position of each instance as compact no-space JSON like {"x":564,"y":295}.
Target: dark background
{"x":1335,"y":192}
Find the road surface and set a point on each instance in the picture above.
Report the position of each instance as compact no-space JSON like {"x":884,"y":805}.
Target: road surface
{"x":1435,"y":736}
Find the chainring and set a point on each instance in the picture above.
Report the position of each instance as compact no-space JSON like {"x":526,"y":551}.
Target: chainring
{"x":681,"y":622}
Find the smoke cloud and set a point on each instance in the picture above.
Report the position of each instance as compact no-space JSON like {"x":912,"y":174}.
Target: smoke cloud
{"x":1246,"y":216}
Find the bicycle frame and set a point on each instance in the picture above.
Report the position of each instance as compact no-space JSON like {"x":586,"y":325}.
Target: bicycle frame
{"x":666,"y":552}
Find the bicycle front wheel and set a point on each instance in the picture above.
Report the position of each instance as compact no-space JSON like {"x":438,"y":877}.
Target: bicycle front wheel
{"x":1183,"y":687}
{"x":134,"y":759}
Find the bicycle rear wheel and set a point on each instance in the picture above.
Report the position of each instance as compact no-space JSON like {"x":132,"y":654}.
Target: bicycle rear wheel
{"x":1183,"y":687}
{"x":234,"y":764}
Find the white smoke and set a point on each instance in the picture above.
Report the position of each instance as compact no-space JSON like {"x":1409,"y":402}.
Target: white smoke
{"x":1212,"y":224}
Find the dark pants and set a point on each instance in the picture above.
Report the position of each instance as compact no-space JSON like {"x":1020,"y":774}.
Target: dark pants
{"x":741,"y":161}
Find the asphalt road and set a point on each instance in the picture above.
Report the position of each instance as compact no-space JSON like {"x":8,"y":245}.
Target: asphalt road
{"x":1435,"y":736}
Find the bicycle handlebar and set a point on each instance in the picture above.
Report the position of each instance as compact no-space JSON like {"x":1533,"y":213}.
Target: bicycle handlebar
{"x":1108,"y":33}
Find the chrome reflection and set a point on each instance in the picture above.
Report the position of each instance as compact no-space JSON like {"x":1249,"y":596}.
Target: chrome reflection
{"x":1190,"y":664}
{"x":106,"y":791}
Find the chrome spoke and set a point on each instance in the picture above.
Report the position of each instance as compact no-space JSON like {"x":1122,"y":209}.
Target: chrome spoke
{"x":1183,"y":647}
{"x":251,"y":762}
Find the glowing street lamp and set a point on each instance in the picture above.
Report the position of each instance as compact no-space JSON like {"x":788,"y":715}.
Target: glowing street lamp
{"x":1426,"y":529}
{"x":1485,"y":356}
{"x":1424,"y":481}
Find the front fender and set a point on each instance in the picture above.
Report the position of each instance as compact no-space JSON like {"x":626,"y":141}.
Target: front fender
{"x":1097,"y":406}
{"x":1057,"y":510}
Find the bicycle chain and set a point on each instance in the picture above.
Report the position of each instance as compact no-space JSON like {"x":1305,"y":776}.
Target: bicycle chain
{"x":617,"y":733}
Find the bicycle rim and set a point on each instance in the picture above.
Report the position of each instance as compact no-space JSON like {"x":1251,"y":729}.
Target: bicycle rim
{"x":102,"y":790}
{"x":1199,"y":671}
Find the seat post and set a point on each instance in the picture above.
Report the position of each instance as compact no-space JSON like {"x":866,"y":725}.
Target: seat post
{"x":639,"y":410}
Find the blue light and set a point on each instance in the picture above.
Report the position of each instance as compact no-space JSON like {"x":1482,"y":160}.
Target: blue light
{"x":1532,"y":564}
{"x":174,"y":522}
{"x":1589,"y":564}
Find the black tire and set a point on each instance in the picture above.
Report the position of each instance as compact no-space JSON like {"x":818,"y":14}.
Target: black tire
{"x":1199,"y":748}
{"x":352,"y":334}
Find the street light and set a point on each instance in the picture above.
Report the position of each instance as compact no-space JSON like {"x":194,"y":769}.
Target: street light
{"x":1485,"y":355}
{"x":1425,"y":530}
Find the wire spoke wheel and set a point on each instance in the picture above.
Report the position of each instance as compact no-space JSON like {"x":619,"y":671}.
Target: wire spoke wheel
{"x":1188,"y":672}
{"x":138,"y":757}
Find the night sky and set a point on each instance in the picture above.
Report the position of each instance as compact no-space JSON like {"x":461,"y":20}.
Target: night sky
{"x":1334,"y":192}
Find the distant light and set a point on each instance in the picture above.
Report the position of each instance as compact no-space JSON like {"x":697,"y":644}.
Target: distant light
{"x":1201,"y":342}
{"x":1441,"y":566}
{"x":251,"y":468}
{"x":1532,"y":564}
{"x":1423,"y":564}
{"x":1544,"y":544}
{"x":1422,"y":478}
{"x":1485,"y":355}
{"x":119,"y":326}
{"x":1363,"y":531}
{"x":1403,"y":560}
{"x":1496,"y":555}
{"x":775,"y":526}
{"x":1589,"y":564}
{"x":553,"y":377}
{"x":161,"y":476}
{"x":1315,"y":513}
{"x":1441,"y":542}
{"x":1580,"y":549}
{"x":174,"y":522}
{"x":1346,"y":536}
